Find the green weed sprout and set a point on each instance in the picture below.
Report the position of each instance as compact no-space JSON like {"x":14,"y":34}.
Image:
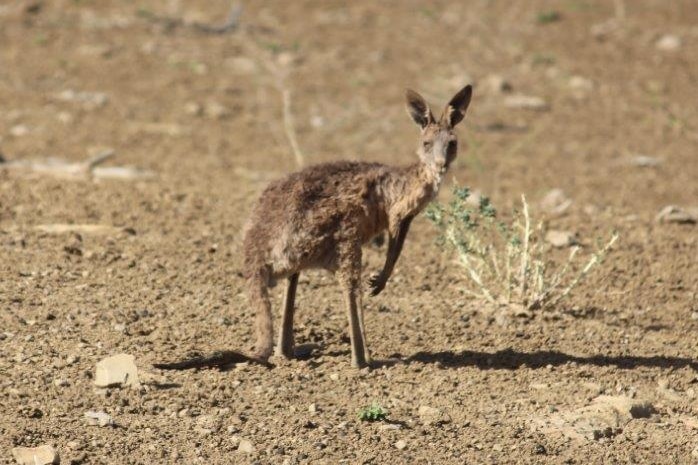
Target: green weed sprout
{"x":373,"y":412}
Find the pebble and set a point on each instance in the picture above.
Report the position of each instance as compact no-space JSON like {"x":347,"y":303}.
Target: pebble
{"x":19,"y":130}
{"x":334,"y":377}
{"x":497,"y":84}
{"x":312,"y":408}
{"x":242,"y":65}
{"x":644,"y":161}
{"x":118,"y":370}
{"x":42,"y":455}
{"x":389,"y":427}
{"x":668,"y":43}
{"x":72,"y":359}
{"x":89,"y":99}
{"x":216,"y":110}
{"x":526,"y":102}
{"x":61,"y":382}
{"x":580,"y":83}
{"x":194,"y":109}
{"x":401,"y":444}
{"x":560,"y":239}
{"x":430,"y":415}
{"x":246,"y":446}
{"x":98,"y":418}
{"x":627,"y":406}
{"x":555,"y":202}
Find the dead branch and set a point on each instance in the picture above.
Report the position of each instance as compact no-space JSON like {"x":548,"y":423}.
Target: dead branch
{"x":87,"y":169}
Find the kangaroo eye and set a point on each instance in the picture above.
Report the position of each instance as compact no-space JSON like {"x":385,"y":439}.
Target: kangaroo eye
{"x":426,"y":144}
{"x":452,"y":147}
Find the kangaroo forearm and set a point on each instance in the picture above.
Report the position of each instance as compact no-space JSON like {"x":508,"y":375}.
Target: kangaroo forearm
{"x":395,"y":244}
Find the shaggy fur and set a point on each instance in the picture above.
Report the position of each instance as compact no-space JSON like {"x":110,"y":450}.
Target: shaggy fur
{"x":321,"y":216}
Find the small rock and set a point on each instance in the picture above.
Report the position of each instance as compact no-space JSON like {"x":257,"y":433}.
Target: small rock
{"x":580,"y":83}
{"x":61,"y":382}
{"x":19,"y":130}
{"x":246,"y":446}
{"x":286,"y":58}
{"x":668,"y":43}
{"x":99,"y":418}
{"x":389,"y":427}
{"x":526,"y":102}
{"x":401,"y":444}
{"x":497,"y":84}
{"x":335,"y":376}
{"x":72,"y":359}
{"x":560,"y":239}
{"x":117,"y":370}
{"x":194,"y":109}
{"x":674,"y":214}
{"x":42,"y":455}
{"x":539,"y":449}
{"x":432,"y":416}
{"x":644,"y":161}
{"x":88,"y":99}
{"x":216,"y":110}
{"x":312,"y":408}
{"x":627,"y":406}
{"x":555,"y":202}
{"x":601,"y":31}
{"x":242,"y":65}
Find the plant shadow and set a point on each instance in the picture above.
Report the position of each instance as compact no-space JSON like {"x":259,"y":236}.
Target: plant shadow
{"x":510,"y":359}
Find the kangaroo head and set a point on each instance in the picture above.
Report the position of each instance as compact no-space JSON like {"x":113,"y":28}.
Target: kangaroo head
{"x":438,"y":144}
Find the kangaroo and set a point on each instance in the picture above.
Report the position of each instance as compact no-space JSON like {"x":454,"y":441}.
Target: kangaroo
{"x":321,"y":216}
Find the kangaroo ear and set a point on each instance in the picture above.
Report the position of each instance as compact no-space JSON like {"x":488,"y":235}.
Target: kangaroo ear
{"x":455,"y":110}
{"x":418,"y":109}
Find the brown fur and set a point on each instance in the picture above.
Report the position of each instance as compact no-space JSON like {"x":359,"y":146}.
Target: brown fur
{"x":321,"y":216}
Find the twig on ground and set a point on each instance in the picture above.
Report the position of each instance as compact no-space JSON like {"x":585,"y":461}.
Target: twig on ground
{"x":76,"y":170}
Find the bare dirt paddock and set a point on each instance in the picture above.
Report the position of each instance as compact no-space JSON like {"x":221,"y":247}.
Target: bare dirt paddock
{"x":209,"y":112}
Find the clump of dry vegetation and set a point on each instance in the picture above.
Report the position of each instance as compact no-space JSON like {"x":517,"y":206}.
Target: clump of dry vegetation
{"x":508,"y":262}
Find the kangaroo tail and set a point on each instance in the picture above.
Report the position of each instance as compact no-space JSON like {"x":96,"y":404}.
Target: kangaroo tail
{"x":220,"y":359}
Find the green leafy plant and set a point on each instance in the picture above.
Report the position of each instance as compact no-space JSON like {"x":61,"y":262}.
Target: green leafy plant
{"x":373,"y":412}
{"x":547,"y":17}
{"x":507,"y":262}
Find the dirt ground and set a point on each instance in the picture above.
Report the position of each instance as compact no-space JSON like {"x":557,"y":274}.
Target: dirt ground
{"x":204,"y":111}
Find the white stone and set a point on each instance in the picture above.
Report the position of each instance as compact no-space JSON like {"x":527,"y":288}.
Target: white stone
{"x":497,"y":84}
{"x":245,"y":446}
{"x":668,"y":43}
{"x":117,"y":370}
{"x":560,"y":239}
{"x":61,"y":382}
{"x":581,"y":83}
{"x":555,"y":202}
{"x":644,"y":161}
{"x":98,"y":418}
{"x":216,"y":110}
{"x":401,"y":444}
{"x":526,"y":102}
{"x":430,"y":415}
{"x":42,"y":455}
